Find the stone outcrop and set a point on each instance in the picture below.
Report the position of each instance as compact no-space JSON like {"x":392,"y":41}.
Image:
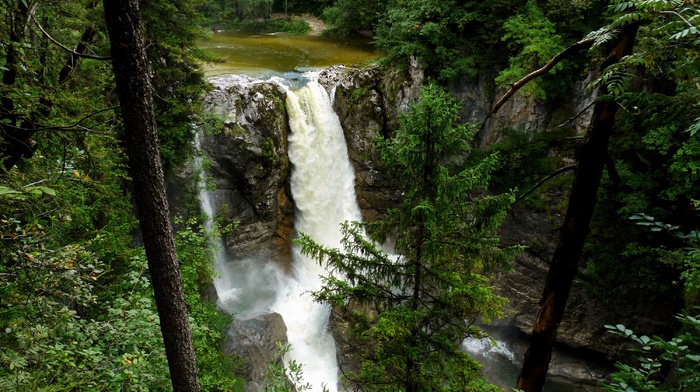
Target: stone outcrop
{"x":249,"y":166}
{"x":255,"y":341}
{"x":478,"y":95}
{"x":367,"y":103}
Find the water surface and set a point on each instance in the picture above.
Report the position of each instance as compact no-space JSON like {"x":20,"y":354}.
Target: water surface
{"x":259,"y":55}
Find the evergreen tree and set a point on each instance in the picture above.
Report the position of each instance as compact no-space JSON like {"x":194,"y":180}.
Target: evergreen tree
{"x":429,"y":294}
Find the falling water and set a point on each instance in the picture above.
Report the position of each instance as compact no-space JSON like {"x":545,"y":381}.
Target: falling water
{"x":322,"y":185}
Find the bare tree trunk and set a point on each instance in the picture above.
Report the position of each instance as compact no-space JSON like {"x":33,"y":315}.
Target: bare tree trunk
{"x":135,"y":96}
{"x":591,"y":155}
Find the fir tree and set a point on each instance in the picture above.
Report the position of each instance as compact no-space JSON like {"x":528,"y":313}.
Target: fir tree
{"x":428,"y":295}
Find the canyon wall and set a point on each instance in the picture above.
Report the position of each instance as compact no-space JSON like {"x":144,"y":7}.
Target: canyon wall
{"x":250,"y":170}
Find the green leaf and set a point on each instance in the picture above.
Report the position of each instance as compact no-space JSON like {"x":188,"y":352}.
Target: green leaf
{"x":6,"y":190}
{"x":48,"y":191}
{"x":695,"y":127}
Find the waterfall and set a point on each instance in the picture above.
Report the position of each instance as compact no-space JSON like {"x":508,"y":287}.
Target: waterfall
{"x":322,"y":185}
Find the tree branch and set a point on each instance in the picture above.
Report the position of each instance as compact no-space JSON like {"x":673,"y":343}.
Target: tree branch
{"x":686,"y":21}
{"x":569,"y":121}
{"x":549,"y":177}
{"x":534,"y":74}
{"x":612,"y":170}
{"x":65,"y":127}
{"x":67,"y":49}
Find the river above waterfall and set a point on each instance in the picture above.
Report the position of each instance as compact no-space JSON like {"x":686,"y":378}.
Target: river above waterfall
{"x":260,"y":55}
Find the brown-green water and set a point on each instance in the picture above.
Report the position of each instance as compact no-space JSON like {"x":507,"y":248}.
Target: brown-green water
{"x":267,"y":54}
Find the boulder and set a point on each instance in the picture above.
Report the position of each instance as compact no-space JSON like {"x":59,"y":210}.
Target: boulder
{"x":255,"y":342}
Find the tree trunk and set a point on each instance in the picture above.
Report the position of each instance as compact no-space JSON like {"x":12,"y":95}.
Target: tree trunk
{"x":73,"y":59}
{"x":135,"y":96}
{"x":16,"y":141}
{"x":591,"y":155}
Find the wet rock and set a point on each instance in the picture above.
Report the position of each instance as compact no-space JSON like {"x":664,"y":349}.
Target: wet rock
{"x":249,"y":165}
{"x":255,"y":342}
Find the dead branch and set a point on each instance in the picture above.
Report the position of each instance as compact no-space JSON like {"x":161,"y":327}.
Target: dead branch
{"x":74,"y":127}
{"x":569,"y":121}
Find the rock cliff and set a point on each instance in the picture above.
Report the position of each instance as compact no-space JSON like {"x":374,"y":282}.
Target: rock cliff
{"x":249,"y":166}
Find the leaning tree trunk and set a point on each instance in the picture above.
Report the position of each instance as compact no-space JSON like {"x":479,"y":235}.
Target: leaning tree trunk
{"x":135,"y":96}
{"x":591,"y":155}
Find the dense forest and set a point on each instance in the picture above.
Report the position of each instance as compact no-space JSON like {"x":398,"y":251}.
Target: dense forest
{"x":77,"y":303}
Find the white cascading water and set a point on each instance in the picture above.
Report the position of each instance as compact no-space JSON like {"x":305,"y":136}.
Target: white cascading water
{"x":322,"y":185}
{"x":223,"y":280}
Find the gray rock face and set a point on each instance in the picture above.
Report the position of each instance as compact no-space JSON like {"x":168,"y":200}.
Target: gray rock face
{"x":255,"y":342}
{"x":249,"y":166}
{"x":582,"y":327}
{"x":479,"y":94}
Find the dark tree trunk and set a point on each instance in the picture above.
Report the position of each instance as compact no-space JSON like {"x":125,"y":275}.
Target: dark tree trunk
{"x":135,"y":96}
{"x":16,"y":142}
{"x":74,"y":59}
{"x":591,"y":155}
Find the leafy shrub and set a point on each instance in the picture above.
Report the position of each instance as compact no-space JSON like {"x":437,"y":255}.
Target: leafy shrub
{"x":662,"y":365}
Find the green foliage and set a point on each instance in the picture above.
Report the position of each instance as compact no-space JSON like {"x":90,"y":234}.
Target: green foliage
{"x":67,"y":312}
{"x":666,"y":44}
{"x":431,"y":30}
{"x":656,"y":161}
{"x":655,"y":356}
{"x":218,"y":14}
{"x":275,"y":25}
{"x":656,"y":153}
{"x":76,"y":306}
{"x":172,"y":30}
{"x":216,"y":370}
{"x":348,"y":17}
{"x":429,"y":292}
{"x":536,"y":41}
{"x":687,"y":259}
